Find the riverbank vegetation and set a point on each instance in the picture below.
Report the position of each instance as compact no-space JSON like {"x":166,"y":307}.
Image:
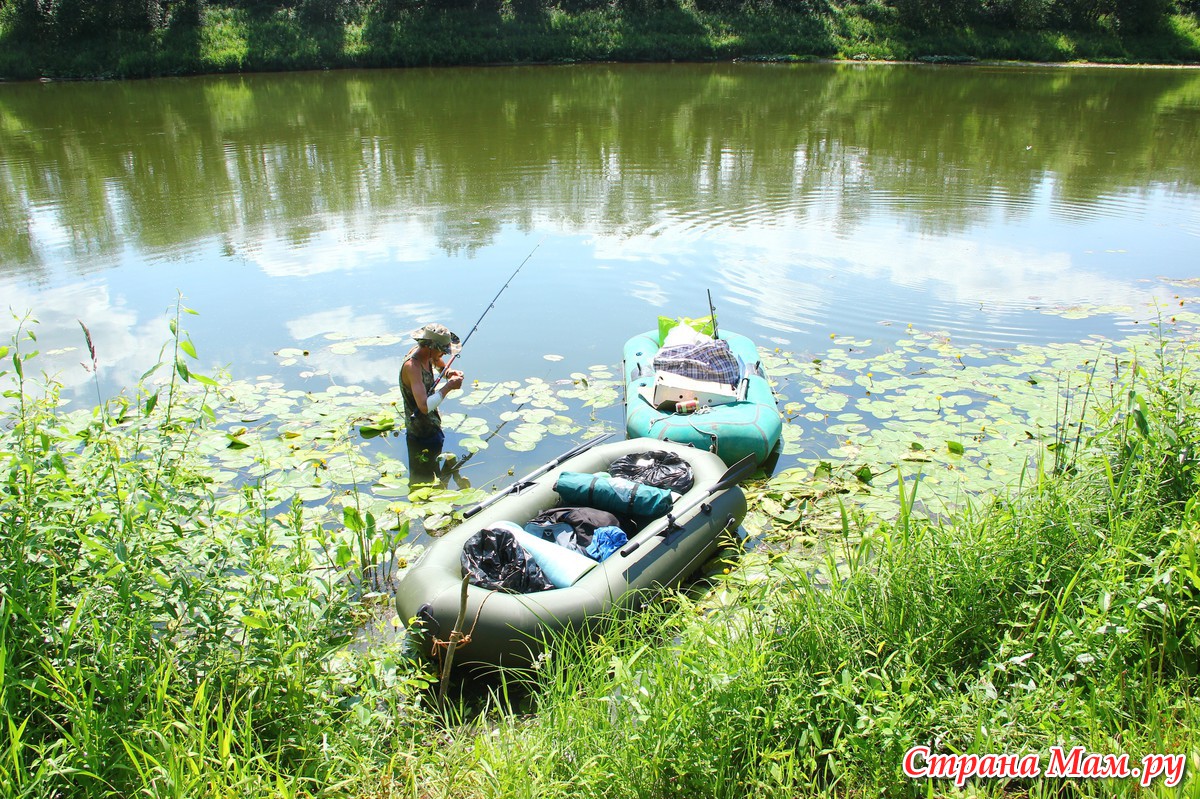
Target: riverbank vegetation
{"x":117,"y":38}
{"x":185,"y":571}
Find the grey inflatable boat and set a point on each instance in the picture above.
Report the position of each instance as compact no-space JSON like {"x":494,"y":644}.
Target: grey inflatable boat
{"x":509,"y":629}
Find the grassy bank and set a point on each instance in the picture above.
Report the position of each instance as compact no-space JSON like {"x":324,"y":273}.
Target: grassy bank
{"x":173,"y":628}
{"x":264,"y":38}
{"x":1062,"y":615}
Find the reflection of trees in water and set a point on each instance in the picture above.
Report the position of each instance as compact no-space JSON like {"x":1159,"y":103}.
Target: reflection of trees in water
{"x":606,"y":148}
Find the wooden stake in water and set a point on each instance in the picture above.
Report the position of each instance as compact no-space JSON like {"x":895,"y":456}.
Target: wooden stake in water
{"x":455,"y":636}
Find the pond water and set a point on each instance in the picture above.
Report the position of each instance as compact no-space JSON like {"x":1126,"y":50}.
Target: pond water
{"x":314,"y":219}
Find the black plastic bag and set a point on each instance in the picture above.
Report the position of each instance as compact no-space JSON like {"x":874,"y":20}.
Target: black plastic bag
{"x":495,"y":560}
{"x":656,"y":468}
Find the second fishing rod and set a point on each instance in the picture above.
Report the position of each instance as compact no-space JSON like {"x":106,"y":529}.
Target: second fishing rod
{"x":478,"y":321}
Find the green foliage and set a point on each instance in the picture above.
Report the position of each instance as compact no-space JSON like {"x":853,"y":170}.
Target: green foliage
{"x":1020,"y":14}
{"x":1066,"y":613}
{"x":135,"y":38}
{"x":158,"y":634}
{"x":173,"y":627}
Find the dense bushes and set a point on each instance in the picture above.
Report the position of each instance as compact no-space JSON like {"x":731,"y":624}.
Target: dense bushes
{"x":146,"y":38}
{"x":72,"y":20}
{"x":1132,"y":16}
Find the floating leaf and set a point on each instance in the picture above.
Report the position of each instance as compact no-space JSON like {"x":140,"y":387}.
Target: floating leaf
{"x":381,"y":425}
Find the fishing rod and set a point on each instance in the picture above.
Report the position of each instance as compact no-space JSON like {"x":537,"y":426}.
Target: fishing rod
{"x":478,"y":321}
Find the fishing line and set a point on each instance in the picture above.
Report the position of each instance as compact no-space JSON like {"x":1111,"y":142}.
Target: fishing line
{"x":479,"y":321}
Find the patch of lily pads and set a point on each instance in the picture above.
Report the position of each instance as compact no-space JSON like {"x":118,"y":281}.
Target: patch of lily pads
{"x":864,"y":421}
{"x":962,"y":420}
{"x":956,"y":423}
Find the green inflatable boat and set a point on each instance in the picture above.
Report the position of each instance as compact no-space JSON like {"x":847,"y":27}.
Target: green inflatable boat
{"x":509,"y":629}
{"x":746,"y":424}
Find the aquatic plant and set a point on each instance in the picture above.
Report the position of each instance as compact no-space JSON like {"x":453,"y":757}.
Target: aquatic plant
{"x":187,"y":597}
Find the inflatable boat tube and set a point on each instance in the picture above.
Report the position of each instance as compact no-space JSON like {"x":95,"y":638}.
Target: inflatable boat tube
{"x":750,"y":426}
{"x":511,"y":629}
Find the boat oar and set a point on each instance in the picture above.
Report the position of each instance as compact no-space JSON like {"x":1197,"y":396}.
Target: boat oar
{"x":733,"y":475}
{"x":536,"y":473}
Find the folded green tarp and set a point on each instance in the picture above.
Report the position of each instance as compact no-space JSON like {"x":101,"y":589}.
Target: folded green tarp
{"x":613,"y":494}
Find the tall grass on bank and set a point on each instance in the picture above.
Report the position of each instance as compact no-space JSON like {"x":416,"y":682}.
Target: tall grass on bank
{"x":1068,"y":614}
{"x":165,"y":635}
{"x":162,"y":635}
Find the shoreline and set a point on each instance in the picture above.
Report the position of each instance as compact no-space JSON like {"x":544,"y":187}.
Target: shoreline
{"x":765,"y":60}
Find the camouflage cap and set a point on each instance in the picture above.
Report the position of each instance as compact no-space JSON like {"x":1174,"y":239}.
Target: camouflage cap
{"x":435,"y":335}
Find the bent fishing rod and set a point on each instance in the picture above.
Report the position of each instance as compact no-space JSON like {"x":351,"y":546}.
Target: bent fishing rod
{"x":478,"y":321}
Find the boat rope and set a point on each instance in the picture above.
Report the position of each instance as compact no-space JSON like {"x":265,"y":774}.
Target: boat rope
{"x":457,"y":637}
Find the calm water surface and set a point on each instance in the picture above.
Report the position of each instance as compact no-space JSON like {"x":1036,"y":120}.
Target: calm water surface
{"x":293,"y":210}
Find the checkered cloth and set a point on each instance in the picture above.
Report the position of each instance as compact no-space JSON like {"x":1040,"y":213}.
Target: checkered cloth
{"x":709,"y":360}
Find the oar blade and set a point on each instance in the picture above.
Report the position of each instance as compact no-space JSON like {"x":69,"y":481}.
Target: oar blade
{"x":735,"y":474}
{"x":732,"y":476}
{"x":538,"y":472}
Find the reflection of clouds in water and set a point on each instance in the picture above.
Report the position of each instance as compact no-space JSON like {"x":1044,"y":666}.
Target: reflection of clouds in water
{"x":124,"y":348}
{"x":367,"y":365}
{"x":339,"y":249}
{"x":993,"y":274}
{"x":364,"y":367}
{"x":639,"y":248}
{"x":46,"y":230}
{"x":648,"y":292}
{"x":776,"y":295}
{"x":783,"y":275}
{"x":346,"y":322}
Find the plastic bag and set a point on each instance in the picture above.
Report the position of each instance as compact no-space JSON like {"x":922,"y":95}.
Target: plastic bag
{"x":494,"y":560}
{"x":656,"y":468}
{"x":704,"y":324}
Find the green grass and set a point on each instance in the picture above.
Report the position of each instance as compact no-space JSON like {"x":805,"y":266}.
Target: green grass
{"x":164,"y":635}
{"x":1065,"y":615}
{"x":159,"y":636}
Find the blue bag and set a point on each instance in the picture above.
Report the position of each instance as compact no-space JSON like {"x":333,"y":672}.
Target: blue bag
{"x":606,"y":541}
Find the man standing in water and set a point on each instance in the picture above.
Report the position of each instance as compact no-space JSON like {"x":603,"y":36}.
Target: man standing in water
{"x":423,"y":422}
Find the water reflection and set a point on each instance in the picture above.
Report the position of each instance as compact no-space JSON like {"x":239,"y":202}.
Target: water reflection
{"x":811,"y":198}
{"x":319,"y":160}
{"x":127,"y":341}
